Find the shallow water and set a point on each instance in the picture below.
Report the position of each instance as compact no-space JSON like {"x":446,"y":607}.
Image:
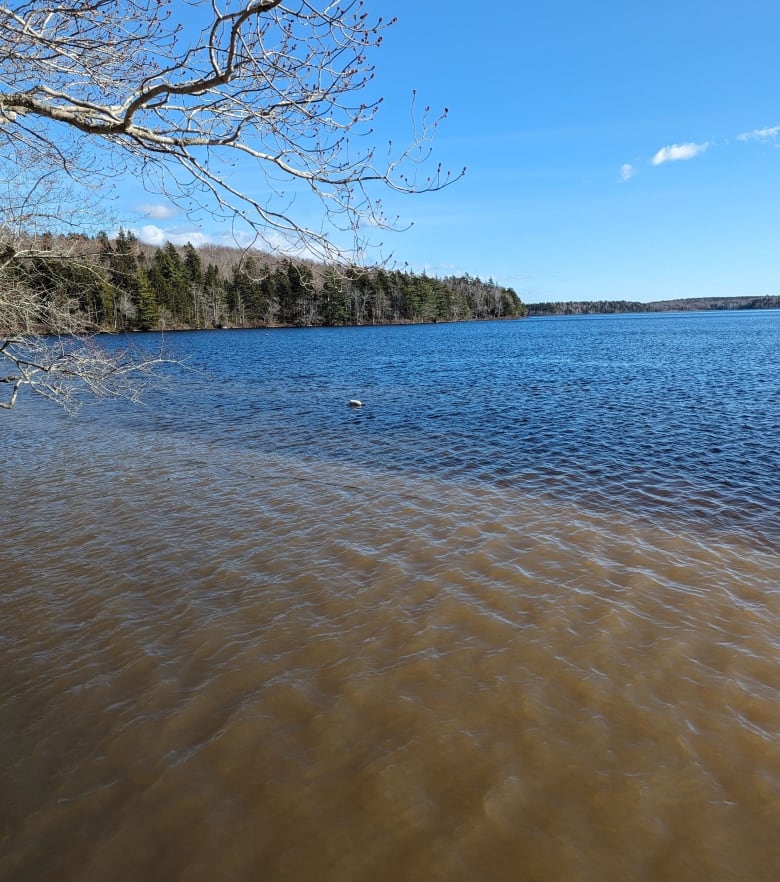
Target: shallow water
{"x":516,"y":618}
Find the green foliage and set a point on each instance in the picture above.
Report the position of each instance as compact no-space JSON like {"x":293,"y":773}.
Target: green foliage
{"x":168,"y":279}
{"x":192,"y":265}
{"x":147,"y":310}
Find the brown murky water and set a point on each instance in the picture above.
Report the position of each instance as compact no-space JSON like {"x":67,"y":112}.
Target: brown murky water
{"x":215,"y":667}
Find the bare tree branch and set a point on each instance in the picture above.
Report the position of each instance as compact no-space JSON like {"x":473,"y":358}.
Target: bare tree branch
{"x":66,"y":369}
{"x":184,"y":92}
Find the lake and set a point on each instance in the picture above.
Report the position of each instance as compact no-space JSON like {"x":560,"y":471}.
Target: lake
{"x":515,"y":618}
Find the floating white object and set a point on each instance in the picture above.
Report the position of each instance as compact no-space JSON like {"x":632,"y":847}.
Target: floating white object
{"x":354,"y":402}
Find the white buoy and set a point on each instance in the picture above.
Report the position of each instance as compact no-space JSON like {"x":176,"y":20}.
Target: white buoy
{"x":355,"y":402}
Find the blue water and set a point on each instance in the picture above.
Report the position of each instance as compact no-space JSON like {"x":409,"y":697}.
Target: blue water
{"x":517,"y":617}
{"x":672,"y":414}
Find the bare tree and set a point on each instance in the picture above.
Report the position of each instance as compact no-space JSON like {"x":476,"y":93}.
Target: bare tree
{"x":204,"y":99}
{"x":240,"y":109}
{"x":48,"y":334}
{"x":46,"y":344}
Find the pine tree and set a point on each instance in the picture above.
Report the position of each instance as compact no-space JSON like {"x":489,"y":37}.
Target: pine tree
{"x":335,"y":310}
{"x":123,"y":277}
{"x":147,"y":311}
{"x":168,"y":279}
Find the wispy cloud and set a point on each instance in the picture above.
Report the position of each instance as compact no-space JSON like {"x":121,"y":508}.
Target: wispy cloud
{"x":154,"y":235}
{"x":627,"y":172}
{"x":157,"y":210}
{"x":676,"y":152}
{"x":766,"y":134}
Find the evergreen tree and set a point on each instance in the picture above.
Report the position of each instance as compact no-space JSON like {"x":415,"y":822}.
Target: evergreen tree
{"x":302,"y":295}
{"x":123,"y":277}
{"x":192,"y":265}
{"x":168,"y":279}
{"x":335,"y":309}
{"x":147,"y":311}
{"x":284,"y":295}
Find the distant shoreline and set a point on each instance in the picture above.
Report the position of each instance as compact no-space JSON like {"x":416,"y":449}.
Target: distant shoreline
{"x":690,"y":304}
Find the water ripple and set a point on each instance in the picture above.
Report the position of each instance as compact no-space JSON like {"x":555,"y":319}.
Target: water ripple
{"x":451,"y":639}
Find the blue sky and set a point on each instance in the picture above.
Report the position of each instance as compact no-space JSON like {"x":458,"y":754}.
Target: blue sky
{"x":614,"y":150}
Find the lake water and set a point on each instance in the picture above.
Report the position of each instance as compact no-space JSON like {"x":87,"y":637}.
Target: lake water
{"x":516,"y":618}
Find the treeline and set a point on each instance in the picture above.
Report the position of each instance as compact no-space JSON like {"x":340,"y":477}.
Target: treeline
{"x":689,"y":304}
{"x":585,"y":307}
{"x":122,"y":284}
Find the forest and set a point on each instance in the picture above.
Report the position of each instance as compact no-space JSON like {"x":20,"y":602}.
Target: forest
{"x":122,"y":284}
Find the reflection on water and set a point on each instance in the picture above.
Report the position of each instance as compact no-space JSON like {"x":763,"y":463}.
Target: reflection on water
{"x":228,"y":661}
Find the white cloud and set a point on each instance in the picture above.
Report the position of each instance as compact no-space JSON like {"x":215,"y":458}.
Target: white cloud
{"x":157,"y":210}
{"x":676,"y":152}
{"x":154,"y":235}
{"x":627,"y":172}
{"x":766,"y":134}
